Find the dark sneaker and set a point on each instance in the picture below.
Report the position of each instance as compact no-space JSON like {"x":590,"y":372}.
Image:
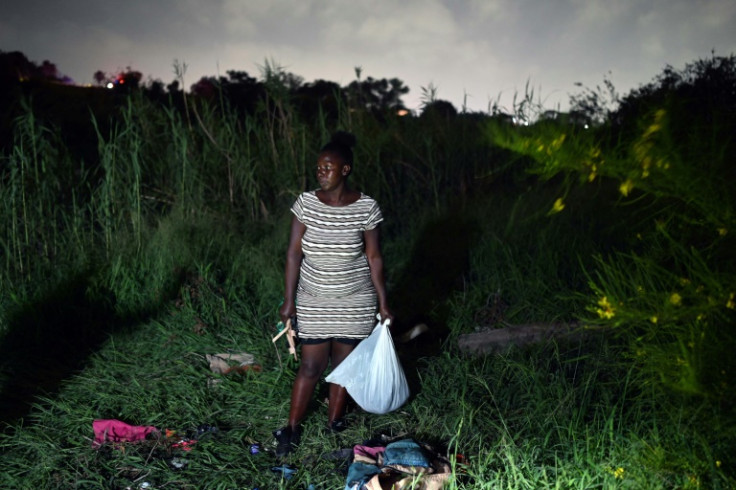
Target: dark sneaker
{"x":287,"y":439}
{"x":338,"y":425}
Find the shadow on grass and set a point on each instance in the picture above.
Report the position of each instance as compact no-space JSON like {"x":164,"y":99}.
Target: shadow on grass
{"x":439,"y":261}
{"x":50,"y":340}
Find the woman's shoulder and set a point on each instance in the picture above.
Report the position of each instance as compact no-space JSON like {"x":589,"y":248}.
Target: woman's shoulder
{"x":368,"y":201}
{"x":366,"y":198}
{"x":307,"y":196}
{"x":303,"y":201}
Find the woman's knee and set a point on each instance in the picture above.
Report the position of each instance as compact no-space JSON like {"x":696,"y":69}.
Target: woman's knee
{"x":314,"y":360}
{"x":340,"y":351}
{"x":312,"y":368}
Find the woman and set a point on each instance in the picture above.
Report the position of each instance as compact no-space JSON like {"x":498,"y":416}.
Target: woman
{"x":334,"y":280}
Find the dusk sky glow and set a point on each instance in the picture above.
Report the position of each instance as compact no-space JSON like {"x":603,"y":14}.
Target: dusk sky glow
{"x":472,"y":50}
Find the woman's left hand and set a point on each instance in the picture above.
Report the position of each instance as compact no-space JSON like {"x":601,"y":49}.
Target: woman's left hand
{"x":385,"y":314}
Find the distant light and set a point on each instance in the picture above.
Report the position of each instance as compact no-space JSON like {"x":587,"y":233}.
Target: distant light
{"x":402,"y":112}
{"x":110,"y":85}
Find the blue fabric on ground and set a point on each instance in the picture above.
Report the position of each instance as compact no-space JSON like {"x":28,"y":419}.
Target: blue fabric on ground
{"x":359,"y":474}
{"x":406,"y":453}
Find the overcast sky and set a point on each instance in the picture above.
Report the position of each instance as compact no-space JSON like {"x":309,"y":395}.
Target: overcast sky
{"x":472,"y":50}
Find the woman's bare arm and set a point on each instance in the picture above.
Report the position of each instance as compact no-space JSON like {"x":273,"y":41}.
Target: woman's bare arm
{"x":375,"y":262}
{"x":291,"y":275}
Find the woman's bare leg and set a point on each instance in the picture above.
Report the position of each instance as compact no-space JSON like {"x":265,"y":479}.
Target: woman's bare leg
{"x":338,"y":394}
{"x":314,"y":362}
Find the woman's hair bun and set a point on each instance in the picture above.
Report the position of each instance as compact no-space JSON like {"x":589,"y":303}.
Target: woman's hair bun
{"x":343,"y":138}
{"x":341,"y":143}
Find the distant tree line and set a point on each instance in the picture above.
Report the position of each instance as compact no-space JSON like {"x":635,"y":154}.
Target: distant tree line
{"x":698,"y":89}
{"x":57,"y":100}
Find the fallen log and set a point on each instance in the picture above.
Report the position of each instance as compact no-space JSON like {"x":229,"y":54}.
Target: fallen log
{"x":497,"y":340}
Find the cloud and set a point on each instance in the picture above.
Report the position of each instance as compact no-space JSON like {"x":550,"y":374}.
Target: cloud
{"x":597,"y":12}
{"x":718,"y":15}
{"x":490,"y":11}
{"x":9,"y":36}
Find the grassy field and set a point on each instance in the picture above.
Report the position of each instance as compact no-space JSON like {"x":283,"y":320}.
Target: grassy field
{"x":118,"y":278}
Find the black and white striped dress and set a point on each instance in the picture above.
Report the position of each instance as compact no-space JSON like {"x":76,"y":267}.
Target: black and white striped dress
{"x":335,"y":296}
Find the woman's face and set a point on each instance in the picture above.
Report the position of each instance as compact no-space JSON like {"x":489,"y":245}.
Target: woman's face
{"x":331,"y":171}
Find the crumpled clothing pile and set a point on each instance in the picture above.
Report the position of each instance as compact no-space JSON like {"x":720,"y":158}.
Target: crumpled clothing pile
{"x":111,"y":430}
{"x":400,"y":464}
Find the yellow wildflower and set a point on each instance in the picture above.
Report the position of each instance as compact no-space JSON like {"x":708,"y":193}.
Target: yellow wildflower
{"x":557,"y":143}
{"x":626,"y":187}
{"x":606,"y":310}
{"x":718,"y":463}
{"x":651,"y":130}
{"x":730,"y":304}
{"x":675,"y":299}
{"x":722,"y":231}
{"x":654,"y":319}
{"x":558,"y":206}
{"x":593,"y":170}
{"x":619,"y":472}
{"x":640,"y":150}
{"x":607,"y":314}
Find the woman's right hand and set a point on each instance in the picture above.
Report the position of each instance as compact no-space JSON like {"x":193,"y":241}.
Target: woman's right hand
{"x":287,"y":310}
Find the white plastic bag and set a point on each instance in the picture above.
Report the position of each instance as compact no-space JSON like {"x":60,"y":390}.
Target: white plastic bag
{"x":372,"y":373}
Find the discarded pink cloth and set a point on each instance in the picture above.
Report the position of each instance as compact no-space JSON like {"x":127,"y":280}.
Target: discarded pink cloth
{"x":368,"y":453}
{"x":116,"y":431}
